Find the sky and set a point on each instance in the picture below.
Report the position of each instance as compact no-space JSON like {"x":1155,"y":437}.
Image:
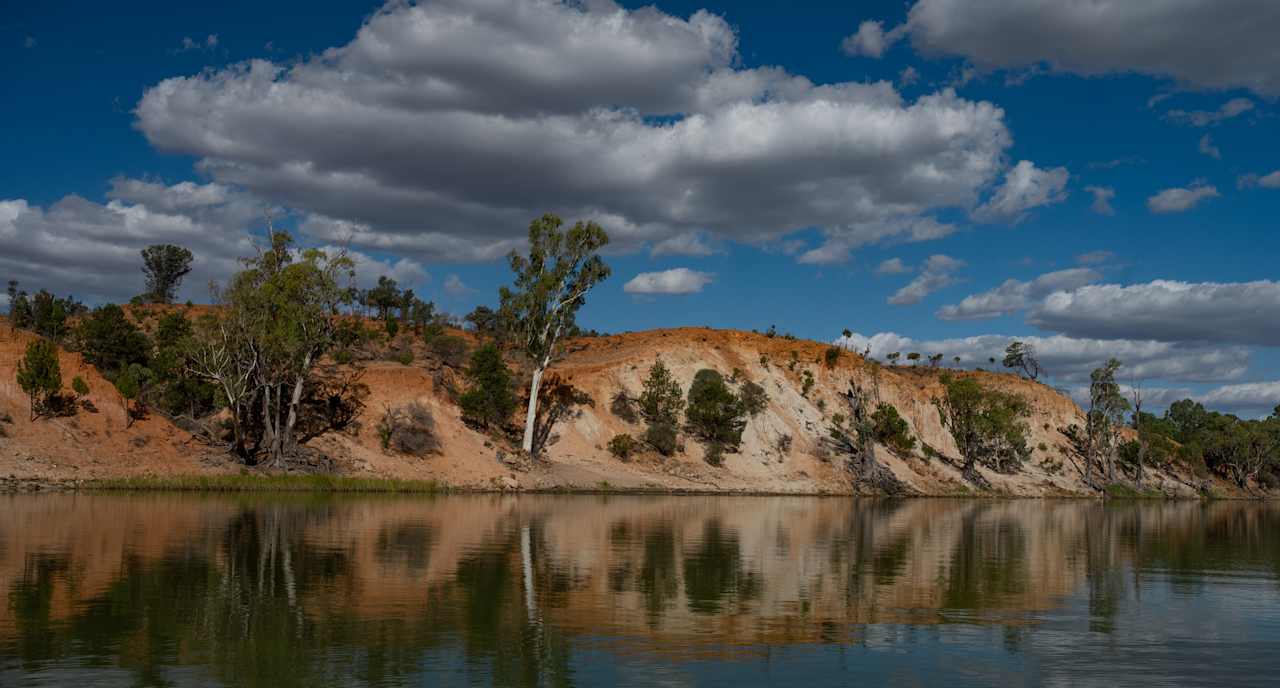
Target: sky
{"x":1098,"y":177}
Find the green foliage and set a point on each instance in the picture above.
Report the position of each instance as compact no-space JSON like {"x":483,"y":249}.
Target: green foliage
{"x":487,"y":323}
{"x":624,"y":407}
{"x":663,"y":437}
{"x":392,"y":327}
{"x":490,"y":401}
{"x":1022,"y":356}
{"x":661,"y":399}
{"x":987,"y":425}
{"x":280,"y":316}
{"x":40,"y":375}
{"x":164,"y":266}
{"x":20,"y":316}
{"x":754,"y":398}
{"x":176,"y":390}
{"x":131,"y":383}
{"x":49,"y":314}
{"x":661,"y":402}
{"x":550,"y":285}
{"x":831,"y":356}
{"x":806,"y":384}
{"x":451,"y":350}
{"x":891,"y":429}
{"x":914,"y":357}
{"x":79,"y":386}
{"x":1235,"y":448}
{"x":1104,"y":418}
{"x":110,"y":341}
{"x":714,"y":413}
{"x":623,"y":446}
{"x":384,"y":297}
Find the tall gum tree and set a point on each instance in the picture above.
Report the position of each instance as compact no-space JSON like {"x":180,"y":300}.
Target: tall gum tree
{"x":550,"y":285}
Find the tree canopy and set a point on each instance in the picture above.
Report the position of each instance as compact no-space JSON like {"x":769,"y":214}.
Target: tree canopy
{"x":164,"y":266}
{"x":550,"y":285}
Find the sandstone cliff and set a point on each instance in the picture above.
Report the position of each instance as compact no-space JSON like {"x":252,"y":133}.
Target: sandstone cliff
{"x":782,"y":449}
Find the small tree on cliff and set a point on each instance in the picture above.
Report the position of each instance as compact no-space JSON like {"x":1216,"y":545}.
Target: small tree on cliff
{"x":39,"y":374}
{"x":550,"y":285}
{"x":164,"y":266}
{"x":1022,"y":356}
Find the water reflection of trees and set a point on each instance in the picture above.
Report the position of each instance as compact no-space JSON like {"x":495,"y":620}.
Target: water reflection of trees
{"x":318,"y":592}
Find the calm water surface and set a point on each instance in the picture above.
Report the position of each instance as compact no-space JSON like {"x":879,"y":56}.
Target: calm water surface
{"x":190,"y":590}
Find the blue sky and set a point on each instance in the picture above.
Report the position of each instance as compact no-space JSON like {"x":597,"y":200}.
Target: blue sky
{"x":428,"y":144}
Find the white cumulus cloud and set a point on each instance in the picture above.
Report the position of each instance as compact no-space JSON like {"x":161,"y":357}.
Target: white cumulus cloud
{"x":870,"y":39}
{"x":674,"y":281}
{"x":641,"y":120}
{"x":1014,"y":295}
{"x":1206,"y":44}
{"x":1180,"y":199}
{"x":1025,"y":187}
{"x":936,"y":274}
{"x":1071,"y":359}
{"x":1166,"y":310}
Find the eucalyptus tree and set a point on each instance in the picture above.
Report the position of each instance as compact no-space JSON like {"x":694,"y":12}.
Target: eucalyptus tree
{"x":1107,"y":407}
{"x":1022,"y":356}
{"x":550,"y":285}
{"x":280,"y":315}
{"x":164,"y":266}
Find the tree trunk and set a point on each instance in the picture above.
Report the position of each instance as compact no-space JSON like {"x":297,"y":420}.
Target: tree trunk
{"x":269,"y":427}
{"x":1142,"y":455}
{"x":531,"y":416}
{"x":294,"y":400}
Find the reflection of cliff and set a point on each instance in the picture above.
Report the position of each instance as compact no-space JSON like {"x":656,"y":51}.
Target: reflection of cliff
{"x":259,"y":587}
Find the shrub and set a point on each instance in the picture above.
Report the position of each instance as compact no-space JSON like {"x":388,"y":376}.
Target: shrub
{"x":891,"y":429}
{"x":764,"y":361}
{"x":622,"y":446}
{"x":661,"y":400}
{"x":806,"y":384}
{"x":343,"y":357}
{"x":79,"y":386}
{"x":624,"y":407}
{"x":451,"y":350}
{"x":754,"y":398}
{"x":392,"y":327}
{"x":831,"y":356}
{"x":39,"y":374}
{"x":109,"y":341}
{"x":490,"y":401}
{"x":715,"y":413}
{"x":663,"y":438}
{"x":404,"y":356}
{"x":409,"y":429}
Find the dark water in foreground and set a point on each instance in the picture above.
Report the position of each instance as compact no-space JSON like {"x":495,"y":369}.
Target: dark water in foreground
{"x":185,"y":590}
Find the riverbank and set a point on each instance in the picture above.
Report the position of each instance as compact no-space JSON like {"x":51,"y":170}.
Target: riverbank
{"x":331,"y":484}
{"x":785,"y":448}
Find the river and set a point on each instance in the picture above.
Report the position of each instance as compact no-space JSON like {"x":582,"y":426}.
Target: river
{"x":173,"y":589}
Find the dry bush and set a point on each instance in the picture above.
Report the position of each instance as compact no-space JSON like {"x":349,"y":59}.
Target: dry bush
{"x":409,"y":429}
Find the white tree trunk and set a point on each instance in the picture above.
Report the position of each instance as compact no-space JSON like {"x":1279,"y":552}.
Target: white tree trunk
{"x":532,"y":414}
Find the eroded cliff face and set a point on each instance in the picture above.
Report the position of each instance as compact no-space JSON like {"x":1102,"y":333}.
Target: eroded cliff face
{"x":782,"y":450}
